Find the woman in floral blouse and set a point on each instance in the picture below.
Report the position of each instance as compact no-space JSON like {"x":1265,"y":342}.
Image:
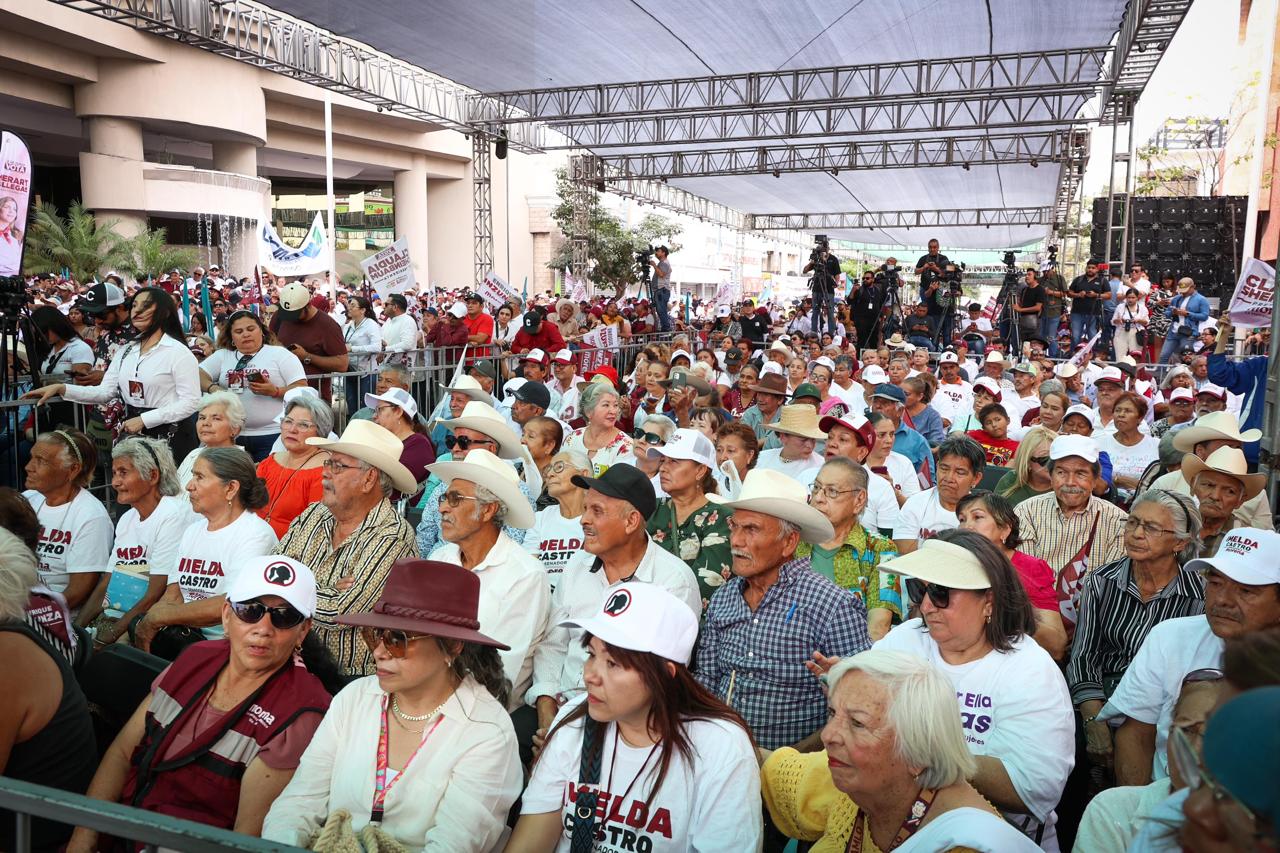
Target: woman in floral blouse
{"x":853,"y":555}
{"x":686,"y":523}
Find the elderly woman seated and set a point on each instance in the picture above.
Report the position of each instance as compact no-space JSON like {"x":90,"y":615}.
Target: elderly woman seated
{"x":219,"y":420}
{"x":893,"y":771}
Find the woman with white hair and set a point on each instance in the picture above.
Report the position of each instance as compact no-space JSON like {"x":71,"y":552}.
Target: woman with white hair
{"x":219,"y":420}
{"x":894,"y":770}
{"x":601,"y":440}
{"x":293,"y":475}
{"x":47,"y":737}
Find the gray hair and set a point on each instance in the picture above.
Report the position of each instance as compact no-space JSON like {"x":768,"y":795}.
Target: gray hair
{"x":17,"y":576}
{"x":576,"y":457}
{"x":321,"y":414}
{"x":660,"y":425}
{"x":1185,"y":515}
{"x":385,"y":483}
{"x":148,"y":456}
{"x":233,"y":464}
{"x":921,"y":711}
{"x":484,"y":498}
{"x":592,"y":395}
{"x":1052,"y":386}
{"x":231,"y":405}
{"x":854,"y":470}
{"x":399,"y":371}
{"x":786,"y":528}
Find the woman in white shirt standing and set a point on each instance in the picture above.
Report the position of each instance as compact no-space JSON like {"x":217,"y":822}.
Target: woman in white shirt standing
{"x":249,"y":364}
{"x":675,"y":765}
{"x":156,"y":376}
{"x":1130,"y":319}
{"x":68,"y":357}
{"x":364,"y":339}
{"x":1130,"y":449}
{"x":424,"y":751}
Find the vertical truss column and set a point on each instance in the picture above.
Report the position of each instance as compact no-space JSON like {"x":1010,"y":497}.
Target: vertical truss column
{"x":583,"y":174}
{"x":482,"y":206}
{"x":1119,"y":201}
{"x":739,"y":249}
{"x":1071,"y":234}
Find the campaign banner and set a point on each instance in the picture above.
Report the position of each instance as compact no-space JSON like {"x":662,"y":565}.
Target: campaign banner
{"x":279,"y":258}
{"x":725,"y":293}
{"x":1085,"y":351}
{"x":15,"y":193}
{"x":1255,"y":296}
{"x":598,"y":348}
{"x":390,"y":270}
{"x":495,"y":291}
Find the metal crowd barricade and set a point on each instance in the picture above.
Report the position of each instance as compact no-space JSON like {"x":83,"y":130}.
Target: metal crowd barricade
{"x":152,"y":830}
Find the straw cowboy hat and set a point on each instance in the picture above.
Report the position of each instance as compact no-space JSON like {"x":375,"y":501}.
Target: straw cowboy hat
{"x":484,"y":469}
{"x":895,"y":340}
{"x":1225,"y":460}
{"x":801,"y":420}
{"x":1215,"y":426}
{"x":375,"y":445}
{"x":774,"y":493}
{"x":484,"y":418}
{"x":471,"y":388}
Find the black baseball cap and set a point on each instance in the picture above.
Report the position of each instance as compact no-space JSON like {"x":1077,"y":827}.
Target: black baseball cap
{"x":624,"y":482}
{"x":533,"y":392}
{"x":486,"y":369}
{"x":532,"y":321}
{"x":100,"y":297}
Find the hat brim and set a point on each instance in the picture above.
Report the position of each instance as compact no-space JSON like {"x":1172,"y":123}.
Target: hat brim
{"x":1193,"y":465}
{"x":942,"y":563}
{"x":1232,"y":569}
{"x":815,"y":527}
{"x":519,"y":512}
{"x":665,"y":453}
{"x":471,"y":393}
{"x":816,"y":435}
{"x":607,"y":630}
{"x":419,"y":626}
{"x":1188,"y":437}
{"x":287,"y":314}
{"x":690,"y":381}
{"x":372,"y":400}
{"x":403,"y":480}
{"x":763,"y":389}
{"x":509,"y":446}
{"x":608,"y":490}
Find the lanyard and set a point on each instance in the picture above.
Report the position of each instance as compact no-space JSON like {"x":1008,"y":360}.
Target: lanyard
{"x":919,"y":809}
{"x":380,"y":785}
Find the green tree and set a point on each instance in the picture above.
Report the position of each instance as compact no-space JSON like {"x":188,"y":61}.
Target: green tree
{"x":78,"y":243}
{"x":151,"y":255}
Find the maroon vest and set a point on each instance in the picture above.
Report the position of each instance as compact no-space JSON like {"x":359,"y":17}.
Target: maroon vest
{"x":203,"y":782}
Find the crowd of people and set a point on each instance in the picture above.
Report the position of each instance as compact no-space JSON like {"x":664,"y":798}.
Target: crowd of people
{"x":737,"y":586}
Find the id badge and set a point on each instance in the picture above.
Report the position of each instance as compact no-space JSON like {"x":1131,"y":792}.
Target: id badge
{"x":137,"y":392}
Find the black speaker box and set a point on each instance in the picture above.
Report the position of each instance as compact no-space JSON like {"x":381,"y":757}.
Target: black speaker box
{"x":1146,"y":210}
{"x":1206,"y":210}
{"x":1144,"y":241}
{"x":1171,"y":242}
{"x":1203,"y":240}
{"x":1175,"y":211}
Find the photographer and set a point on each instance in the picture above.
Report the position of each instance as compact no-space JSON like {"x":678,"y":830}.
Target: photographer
{"x":929,"y":268}
{"x":941,"y":297}
{"x":826,"y":270}
{"x":661,"y":286}
{"x":1030,"y":305}
{"x":1055,"y":294}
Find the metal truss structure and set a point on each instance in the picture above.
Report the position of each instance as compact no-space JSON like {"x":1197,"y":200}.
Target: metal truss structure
{"x":481,"y":207}
{"x":871,"y":220}
{"x":1145,"y":33}
{"x":584,"y":174}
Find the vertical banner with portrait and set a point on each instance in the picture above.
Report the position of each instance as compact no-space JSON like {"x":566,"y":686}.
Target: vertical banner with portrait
{"x":15,"y":196}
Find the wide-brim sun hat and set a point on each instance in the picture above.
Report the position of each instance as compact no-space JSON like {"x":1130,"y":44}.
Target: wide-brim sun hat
{"x":943,"y":563}
{"x":775,"y":494}
{"x":484,"y":418}
{"x":1229,"y":461}
{"x":484,"y":469}
{"x":800,"y":420}
{"x":1215,"y":426}
{"x":375,"y":445}
{"x":470,"y":387}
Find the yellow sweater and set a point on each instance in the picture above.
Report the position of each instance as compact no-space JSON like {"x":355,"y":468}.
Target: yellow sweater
{"x":805,"y":803}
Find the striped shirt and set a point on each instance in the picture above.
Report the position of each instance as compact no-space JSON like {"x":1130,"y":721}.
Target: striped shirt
{"x":754,"y":660}
{"x":1054,"y":538}
{"x":366,"y":555}
{"x":1114,"y":620}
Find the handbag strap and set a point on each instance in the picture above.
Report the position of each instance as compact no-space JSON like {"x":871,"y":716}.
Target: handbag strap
{"x":583,"y":839}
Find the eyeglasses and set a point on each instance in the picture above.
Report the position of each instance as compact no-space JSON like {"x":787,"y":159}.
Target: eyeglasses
{"x":454,"y":498}
{"x":1131,"y":524}
{"x":303,"y":425}
{"x":333,"y":466}
{"x":1187,"y":759}
{"x":831,"y":493}
{"x":251,"y":612}
{"x":464,"y":442}
{"x":640,"y":435}
{"x":558,"y":467}
{"x":938,"y":594}
{"x":395,"y":642}
{"x":1042,"y":461}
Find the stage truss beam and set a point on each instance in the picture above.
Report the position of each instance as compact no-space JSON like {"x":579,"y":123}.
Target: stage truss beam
{"x":482,"y":207}
{"x":904,"y":219}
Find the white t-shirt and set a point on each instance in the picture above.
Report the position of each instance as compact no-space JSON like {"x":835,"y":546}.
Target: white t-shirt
{"x":713,"y":805}
{"x":881,"y":511}
{"x":922,"y":516}
{"x":57,"y":369}
{"x":1153,"y":680}
{"x":953,"y":401}
{"x":1014,"y":706}
{"x":1129,"y":461}
{"x":206,"y":561}
{"x":906,"y":479}
{"x":146,"y":547}
{"x":853,"y":396}
{"x":552,"y":540}
{"x":282,"y":368}
{"x":75,"y":537}
{"x":771,"y":460}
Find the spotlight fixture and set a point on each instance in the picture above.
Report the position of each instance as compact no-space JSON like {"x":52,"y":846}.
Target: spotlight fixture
{"x":835,"y":173}
{"x":777,"y":174}
{"x":379,"y":107}
{"x":1035,"y":164}
{"x":500,"y":148}
{"x":964,"y":166}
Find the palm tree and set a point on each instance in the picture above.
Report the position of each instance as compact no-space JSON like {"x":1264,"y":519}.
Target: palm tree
{"x":150,"y":254}
{"x":78,"y":243}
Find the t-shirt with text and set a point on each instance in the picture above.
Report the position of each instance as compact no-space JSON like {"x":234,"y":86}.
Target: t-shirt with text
{"x":75,"y":537}
{"x":207,"y":561}
{"x":553,"y":540}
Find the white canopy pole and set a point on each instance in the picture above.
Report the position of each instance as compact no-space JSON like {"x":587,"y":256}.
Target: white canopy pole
{"x":328,"y":188}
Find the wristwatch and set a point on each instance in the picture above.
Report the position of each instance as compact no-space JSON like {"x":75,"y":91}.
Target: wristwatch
{"x":306,"y":360}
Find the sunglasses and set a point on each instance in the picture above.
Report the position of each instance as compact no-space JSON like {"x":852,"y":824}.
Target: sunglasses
{"x":938,"y":594}
{"x":463,"y":442}
{"x":395,"y":642}
{"x":251,"y":612}
{"x":640,"y":435}
{"x":1042,"y":461}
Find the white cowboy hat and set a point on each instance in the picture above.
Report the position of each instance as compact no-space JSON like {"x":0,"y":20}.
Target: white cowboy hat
{"x":471,"y":388}
{"x":1229,"y":461}
{"x":484,"y":418}
{"x":800,"y":419}
{"x":484,"y":469}
{"x":774,"y":493}
{"x":1214,"y":426}
{"x":375,"y":445}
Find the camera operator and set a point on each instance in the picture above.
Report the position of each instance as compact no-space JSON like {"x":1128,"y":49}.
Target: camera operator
{"x":662,"y":286}
{"x":1030,"y":305}
{"x":864,"y":307}
{"x":929,"y":268}
{"x":1087,"y":293}
{"x":826,"y":270}
{"x":1055,"y":293}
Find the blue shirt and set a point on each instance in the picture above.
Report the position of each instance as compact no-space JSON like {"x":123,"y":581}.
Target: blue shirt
{"x":762,"y":653}
{"x":1197,"y":312}
{"x":929,"y":424}
{"x":1248,"y":378}
{"x":429,"y":527}
{"x":754,"y":418}
{"x":912,"y":445}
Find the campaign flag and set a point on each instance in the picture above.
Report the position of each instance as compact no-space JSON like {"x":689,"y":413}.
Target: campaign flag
{"x":1071,"y":581}
{"x":390,"y":270}
{"x":524,"y":293}
{"x":989,"y":310}
{"x":1255,"y":296}
{"x":1085,"y":351}
{"x":495,"y":291}
{"x":598,"y":347}
{"x":279,"y":258}
{"x":15,"y":193}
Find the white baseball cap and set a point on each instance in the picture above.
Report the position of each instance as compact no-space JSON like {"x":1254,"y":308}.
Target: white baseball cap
{"x":458,"y":309}
{"x":535,"y":355}
{"x":564,"y":356}
{"x":1085,"y":412}
{"x":771,"y":367}
{"x":275,"y":575}
{"x":680,"y":353}
{"x":825,"y":361}
{"x":1181,"y":394}
{"x":1212,"y":390}
{"x":1074,"y":445}
{"x":396,"y":396}
{"x":687,"y":444}
{"x":293,"y":299}
{"x":948,"y":358}
{"x":643,"y":617}
{"x":1110,"y":373}
{"x":723,"y":311}
{"x":874,"y":374}
{"x":991,"y":386}
{"x":1247,"y":556}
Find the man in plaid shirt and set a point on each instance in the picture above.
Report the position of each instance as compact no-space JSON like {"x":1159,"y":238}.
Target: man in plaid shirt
{"x":765,"y":623}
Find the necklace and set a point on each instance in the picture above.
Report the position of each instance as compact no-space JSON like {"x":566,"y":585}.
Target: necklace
{"x":613,"y":760}
{"x":395,"y":706}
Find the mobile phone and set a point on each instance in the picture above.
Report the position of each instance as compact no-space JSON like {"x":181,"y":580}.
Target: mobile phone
{"x":879,"y":469}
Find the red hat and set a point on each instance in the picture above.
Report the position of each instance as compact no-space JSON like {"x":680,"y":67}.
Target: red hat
{"x":320,"y":302}
{"x":607,"y":370}
{"x":860,"y":426}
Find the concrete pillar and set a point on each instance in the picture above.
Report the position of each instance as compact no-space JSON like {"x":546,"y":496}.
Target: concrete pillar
{"x":115,"y":162}
{"x":238,"y":157}
{"x":115,"y":137}
{"x":411,"y":216}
